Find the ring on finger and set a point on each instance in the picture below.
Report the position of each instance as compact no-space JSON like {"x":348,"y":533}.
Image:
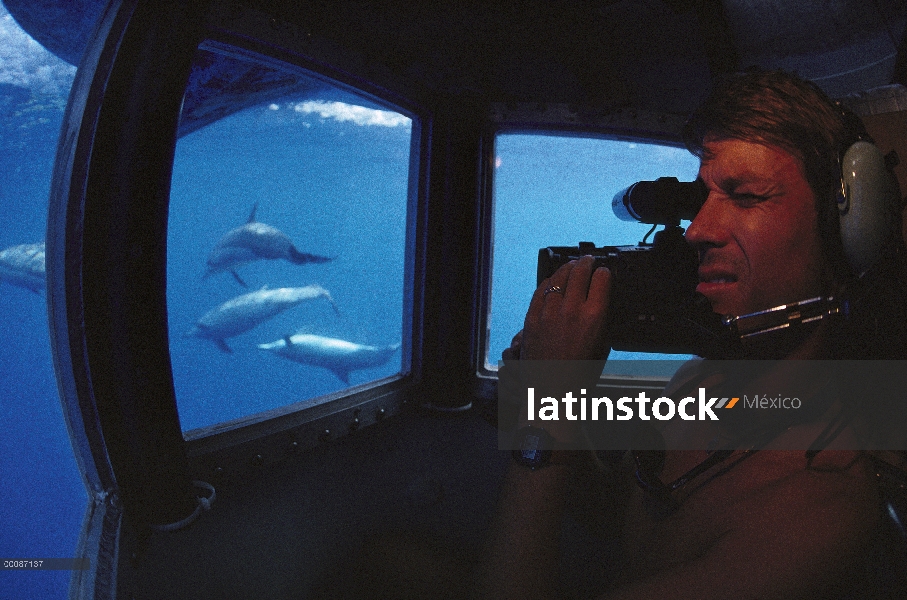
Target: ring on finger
{"x":554,"y":288}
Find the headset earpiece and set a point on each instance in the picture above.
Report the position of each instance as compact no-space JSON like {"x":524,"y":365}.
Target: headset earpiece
{"x":867,"y":205}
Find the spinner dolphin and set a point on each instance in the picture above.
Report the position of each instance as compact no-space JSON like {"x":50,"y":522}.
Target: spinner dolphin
{"x":24,"y":266}
{"x":255,"y":241}
{"x":244,"y":312}
{"x":338,"y":356}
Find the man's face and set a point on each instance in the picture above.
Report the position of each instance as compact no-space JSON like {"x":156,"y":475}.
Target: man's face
{"x":757,"y":233}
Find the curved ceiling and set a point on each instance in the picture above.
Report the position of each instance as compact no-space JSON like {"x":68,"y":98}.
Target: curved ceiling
{"x":655,"y":54}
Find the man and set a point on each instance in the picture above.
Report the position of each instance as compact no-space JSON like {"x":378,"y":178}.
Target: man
{"x":779,"y":523}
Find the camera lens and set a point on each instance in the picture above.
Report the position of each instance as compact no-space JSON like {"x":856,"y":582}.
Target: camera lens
{"x":664,"y":201}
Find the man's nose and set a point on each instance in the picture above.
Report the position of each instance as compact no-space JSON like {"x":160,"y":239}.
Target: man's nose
{"x":707,"y":227}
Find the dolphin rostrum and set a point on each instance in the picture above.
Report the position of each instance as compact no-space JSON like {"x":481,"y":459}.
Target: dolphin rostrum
{"x":248,"y":310}
{"x":255,"y":241}
{"x":339,"y":356}
{"x":24,"y":266}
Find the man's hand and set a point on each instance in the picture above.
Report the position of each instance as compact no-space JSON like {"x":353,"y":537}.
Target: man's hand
{"x":567,"y":315}
{"x":516,"y":344}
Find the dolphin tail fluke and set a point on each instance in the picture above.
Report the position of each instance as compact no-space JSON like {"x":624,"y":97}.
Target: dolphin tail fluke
{"x":304,"y":258}
{"x":252,"y":214}
{"x":238,"y":278}
{"x":223,"y":345}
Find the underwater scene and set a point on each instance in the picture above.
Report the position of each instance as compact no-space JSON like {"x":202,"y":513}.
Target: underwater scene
{"x":42,"y":496}
{"x":289,"y":252}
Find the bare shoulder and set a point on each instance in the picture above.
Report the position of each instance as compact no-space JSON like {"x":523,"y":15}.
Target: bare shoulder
{"x":772,"y":526}
{"x":806,"y":526}
{"x":834,"y":493}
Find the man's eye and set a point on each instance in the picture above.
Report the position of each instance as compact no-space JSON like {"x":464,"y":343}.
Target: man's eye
{"x":747,"y":199}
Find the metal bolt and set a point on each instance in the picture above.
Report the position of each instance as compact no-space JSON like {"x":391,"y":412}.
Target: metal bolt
{"x":355,"y":424}
{"x":325,"y":435}
{"x":380,"y":414}
{"x":258,"y":460}
{"x":293,"y":447}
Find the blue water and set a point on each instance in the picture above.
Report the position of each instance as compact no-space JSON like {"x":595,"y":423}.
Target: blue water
{"x":42,"y":497}
{"x":337,"y":188}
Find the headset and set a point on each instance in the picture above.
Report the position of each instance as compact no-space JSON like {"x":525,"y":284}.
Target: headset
{"x":868,"y":200}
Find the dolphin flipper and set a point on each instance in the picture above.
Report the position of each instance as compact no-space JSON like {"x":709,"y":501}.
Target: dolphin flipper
{"x":223,"y":345}
{"x":342,"y":374}
{"x":302,"y":258}
{"x":238,"y":278}
{"x":334,"y":306}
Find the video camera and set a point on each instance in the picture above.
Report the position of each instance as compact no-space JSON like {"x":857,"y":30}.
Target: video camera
{"x":654,"y":305}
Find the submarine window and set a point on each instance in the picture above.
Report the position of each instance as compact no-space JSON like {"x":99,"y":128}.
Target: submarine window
{"x":556,"y":190}
{"x":287,"y":240}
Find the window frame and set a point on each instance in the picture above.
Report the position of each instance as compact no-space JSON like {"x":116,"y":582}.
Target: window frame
{"x":246,"y":53}
{"x":108,"y":217}
{"x":229,"y":448}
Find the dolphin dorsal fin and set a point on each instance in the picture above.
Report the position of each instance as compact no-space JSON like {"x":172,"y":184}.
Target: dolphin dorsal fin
{"x":252,"y":214}
{"x":287,"y":340}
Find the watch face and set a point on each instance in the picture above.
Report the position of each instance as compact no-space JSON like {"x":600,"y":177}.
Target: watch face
{"x":534,"y":447}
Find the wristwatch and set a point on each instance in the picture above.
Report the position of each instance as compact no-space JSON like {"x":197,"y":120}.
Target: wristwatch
{"x":532,"y":447}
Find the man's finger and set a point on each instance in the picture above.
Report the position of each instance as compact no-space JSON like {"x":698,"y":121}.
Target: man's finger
{"x":600,"y":289}
{"x":578,"y":280}
{"x":536,"y":305}
{"x":513,"y":351}
{"x":554,"y":285}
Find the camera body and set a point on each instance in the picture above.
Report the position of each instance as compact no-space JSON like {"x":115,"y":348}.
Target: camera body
{"x":654,"y":305}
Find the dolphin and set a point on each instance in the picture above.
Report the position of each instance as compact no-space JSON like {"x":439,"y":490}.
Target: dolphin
{"x":24,"y":266}
{"x":255,"y":241}
{"x":244,"y":312}
{"x":338,"y":356}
